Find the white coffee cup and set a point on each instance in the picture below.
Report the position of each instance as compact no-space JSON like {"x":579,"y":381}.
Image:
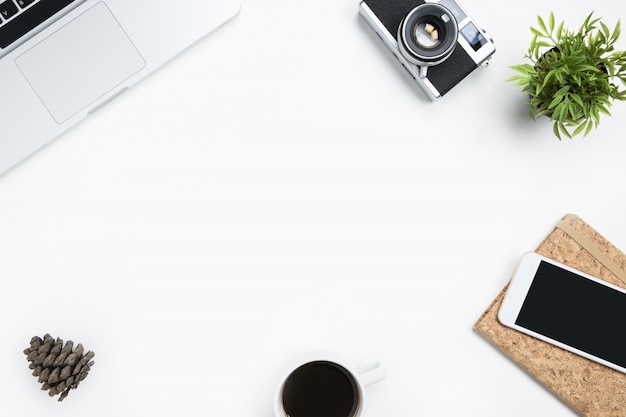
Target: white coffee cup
{"x":324,"y":384}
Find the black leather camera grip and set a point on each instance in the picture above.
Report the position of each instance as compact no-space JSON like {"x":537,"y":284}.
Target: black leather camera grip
{"x":391,"y":12}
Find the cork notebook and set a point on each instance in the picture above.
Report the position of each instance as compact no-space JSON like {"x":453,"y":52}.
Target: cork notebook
{"x":591,"y":389}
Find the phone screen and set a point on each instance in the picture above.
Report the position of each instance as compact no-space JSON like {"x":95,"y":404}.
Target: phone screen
{"x":576,"y":311}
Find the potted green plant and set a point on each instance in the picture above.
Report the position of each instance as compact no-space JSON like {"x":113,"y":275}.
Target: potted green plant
{"x":572,"y":76}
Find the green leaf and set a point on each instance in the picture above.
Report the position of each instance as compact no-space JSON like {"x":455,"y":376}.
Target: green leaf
{"x":616,"y":32}
{"x":559,"y":30}
{"x":543,"y":44}
{"x":522,"y":81}
{"x":551,"y":22}
{"x":571,"y":113}
{"x":555,"y":130}
{"x":603,"y":100}
{"x":605,"y":30}
{"x":586,"y":24}
{"x":549,"y":75}
{"x":562,"y":91}
{"x":577,"y":99}
{"x":560,"y":111}
{"x":554,"y":103}
{"x":541,"y":113}
{"x":536,"y":32}
{"x":588,"y":68}
{"x":564,"y":130}
{"x":595,"y":115}
{"x":559,"y":77}
{"x":542,"y":25}
{"x":589,"y":127}
{"x":522,"y":78}
{"x":603,"y":109}
{"x":579,"y":129}
{"x":524,"y":69}
{"x":532,"y":48}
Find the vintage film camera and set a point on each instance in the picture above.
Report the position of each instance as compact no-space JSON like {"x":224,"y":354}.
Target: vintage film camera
{"x":437,"y":42}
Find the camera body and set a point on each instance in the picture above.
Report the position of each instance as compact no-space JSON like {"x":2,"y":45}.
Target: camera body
{"x":437,"y":42}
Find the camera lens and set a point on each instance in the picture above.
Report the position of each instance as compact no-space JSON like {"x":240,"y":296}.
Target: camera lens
{"x":428,"y":34}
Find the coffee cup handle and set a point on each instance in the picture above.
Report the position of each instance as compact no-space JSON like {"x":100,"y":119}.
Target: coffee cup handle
{"x":372,"y":374}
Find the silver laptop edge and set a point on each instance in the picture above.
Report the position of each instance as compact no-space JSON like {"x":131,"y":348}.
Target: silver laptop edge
{"x":86,"y":56}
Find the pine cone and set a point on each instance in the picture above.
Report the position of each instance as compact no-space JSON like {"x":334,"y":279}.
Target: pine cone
{"x":60,"y":368}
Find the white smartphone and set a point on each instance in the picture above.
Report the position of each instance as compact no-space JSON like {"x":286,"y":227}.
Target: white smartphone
{"x":568,"y":308}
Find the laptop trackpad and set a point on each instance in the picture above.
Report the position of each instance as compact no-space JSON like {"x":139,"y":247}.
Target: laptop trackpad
{"x":80,"y":62}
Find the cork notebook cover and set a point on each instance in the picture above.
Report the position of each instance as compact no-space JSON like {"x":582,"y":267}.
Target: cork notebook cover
{"x":591,"y":389}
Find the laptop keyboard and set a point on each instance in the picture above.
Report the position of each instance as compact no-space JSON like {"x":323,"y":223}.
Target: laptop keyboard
{"x":20,"y":17}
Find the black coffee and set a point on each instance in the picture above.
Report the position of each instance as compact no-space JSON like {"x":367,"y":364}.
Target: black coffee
{"x":320,"y":389}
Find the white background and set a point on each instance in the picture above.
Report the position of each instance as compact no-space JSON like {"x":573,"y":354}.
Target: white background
{"x":283,"y":186}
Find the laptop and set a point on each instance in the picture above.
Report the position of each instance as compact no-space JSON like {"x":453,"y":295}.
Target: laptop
{"x":61,"y":60}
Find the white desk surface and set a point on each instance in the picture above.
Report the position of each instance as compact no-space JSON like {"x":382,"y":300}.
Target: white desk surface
{"x":282,"y":187}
